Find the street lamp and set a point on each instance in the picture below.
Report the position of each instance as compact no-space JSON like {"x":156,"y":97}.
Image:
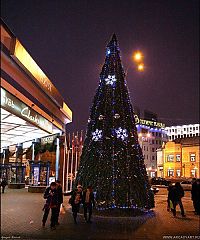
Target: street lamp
{"x":140,"y":67}
{"x":137,"y":56}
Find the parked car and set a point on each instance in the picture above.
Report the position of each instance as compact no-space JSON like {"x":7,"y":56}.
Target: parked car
{"x":186,"y":185}
{"x":160,"y":181}
{"x":154,"y":189}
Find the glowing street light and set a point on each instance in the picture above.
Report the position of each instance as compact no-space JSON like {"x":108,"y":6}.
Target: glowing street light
{"x":138,"y":56}
{"x":140,"y":67}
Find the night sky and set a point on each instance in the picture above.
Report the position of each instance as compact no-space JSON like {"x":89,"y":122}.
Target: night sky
{"x":67,"y":38}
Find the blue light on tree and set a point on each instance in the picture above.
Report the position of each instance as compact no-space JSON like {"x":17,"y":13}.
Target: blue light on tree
{"x":107,"y":51}
{"x":97,"y":134}
{"x":110,"y":80}
{"x":121,"y":133}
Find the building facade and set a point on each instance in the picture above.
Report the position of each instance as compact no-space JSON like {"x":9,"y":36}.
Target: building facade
{"x":181,"y":158}
{"x":33,"y":116}
{"x":183,"y":131}
{"x":151,"y":136}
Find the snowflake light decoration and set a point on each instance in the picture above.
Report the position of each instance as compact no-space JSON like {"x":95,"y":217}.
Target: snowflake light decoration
{"x":96,"y":135}
{"x":121,"y":133}
{"x":110,"y":80}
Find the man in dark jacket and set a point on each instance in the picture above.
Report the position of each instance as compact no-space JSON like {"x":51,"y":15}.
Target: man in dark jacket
{"x":3,"y":185}
{"x":175,"y":195}
{"x":196,"y":196}
{"x":51,"y":197}
{"x":88,"y":203}
{"x":60,"y":199}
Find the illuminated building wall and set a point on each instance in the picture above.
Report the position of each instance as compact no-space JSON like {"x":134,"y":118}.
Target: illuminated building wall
{"x":181,"y":158}
{"x":183,"y":131}
{"x":151,"y":136}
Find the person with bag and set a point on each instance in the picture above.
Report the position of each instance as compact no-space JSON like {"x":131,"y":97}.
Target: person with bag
{"x":51,"y":196}
{"x":75,"y":201}
{"x":88,"y":203}
{"x":175,"y":195}
{"x":60,"y":199}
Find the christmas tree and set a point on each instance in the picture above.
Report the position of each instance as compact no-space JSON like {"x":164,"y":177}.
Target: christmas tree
{"x":112,"y":161}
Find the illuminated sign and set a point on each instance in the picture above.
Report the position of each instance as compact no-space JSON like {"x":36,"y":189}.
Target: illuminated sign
{"x":48,"y":139}
{"x":148,"y":122}
{"x":15,"y":106}
{"x":26,"y":61}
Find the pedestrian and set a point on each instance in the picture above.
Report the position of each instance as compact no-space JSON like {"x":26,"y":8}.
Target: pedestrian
{"x":60,"y":199}
{"x":3,"y":184}
{"x":75,"y":201}
{"x":169,"y":202}
{"x":175,"y":195}
{"x":196,"y":196}
{"x":88,"y":203}
{"x":51,"y":197}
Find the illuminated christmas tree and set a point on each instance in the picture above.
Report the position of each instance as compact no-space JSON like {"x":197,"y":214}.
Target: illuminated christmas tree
{"x":112,"y":161}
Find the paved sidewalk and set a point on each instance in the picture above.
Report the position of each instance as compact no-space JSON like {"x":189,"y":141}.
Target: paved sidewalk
{"x":21,"y":215}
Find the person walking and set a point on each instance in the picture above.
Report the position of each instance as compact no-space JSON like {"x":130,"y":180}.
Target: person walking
{"x":3,"y":184}
{"x":75,"y":201}
{"x":169,"y":202}
{"x":88,"y":203}
{"x":175,"y":195}
{"x":60,"y":199}
{"x":51,"y":197}
{"x":196,"y":196}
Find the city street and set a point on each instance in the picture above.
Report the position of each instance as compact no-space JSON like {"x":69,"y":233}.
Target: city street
{"x":21,"y":214}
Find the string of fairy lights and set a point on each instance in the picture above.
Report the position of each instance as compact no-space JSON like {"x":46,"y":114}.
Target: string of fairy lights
{"x":112,"y":160}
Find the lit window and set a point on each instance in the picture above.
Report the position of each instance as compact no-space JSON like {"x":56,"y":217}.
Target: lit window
{"x":178,"y":158}
{"x":193,"y":173}
{"x":170,"y":158}
{"x":192,"y":157}
{"x":178,"y":172}
{"x":170,"y":172}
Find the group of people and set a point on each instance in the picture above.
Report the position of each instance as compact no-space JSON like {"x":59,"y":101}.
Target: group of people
{"x":86,"y":197}
{"x":54,"y":198}
{"x":176,"y":193}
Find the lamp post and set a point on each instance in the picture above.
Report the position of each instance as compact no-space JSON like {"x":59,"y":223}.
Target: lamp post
{"x":138,"y":59}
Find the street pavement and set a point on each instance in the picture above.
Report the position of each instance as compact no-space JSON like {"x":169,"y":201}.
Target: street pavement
{"x":21,"y":216}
